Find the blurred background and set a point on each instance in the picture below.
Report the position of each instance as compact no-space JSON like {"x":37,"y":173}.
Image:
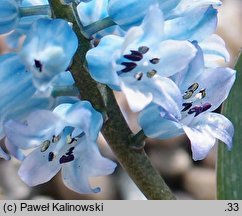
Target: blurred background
{"x":172,"y":158}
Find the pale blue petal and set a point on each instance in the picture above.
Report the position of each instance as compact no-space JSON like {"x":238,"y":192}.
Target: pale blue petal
{"x":196,"y":25}
{"x":217,"y":125}
{"x":153,"y":25}
{"x":37,"y":169}
{"x":186,"y":6}
{"x":63,"y":79}
{"x":4,"y":155}
{"x":174,"y":56}
{"x":92,"y":11}
{"x":14,"y":150}
{"x":90,"y":163}
{"x":160,"y":90}
{"x":101,"y":61}
{"x":81,"y":115}
{"x":214,"y":49}
{"x":201,"y":141}
{"x":167,"y":5}
{"x":191,"y":74}
{"x":218,"y":83}
{"x":36,"y":131}
{"x":9,"y":15}
{"x":156,"y":123}
{"x":128,"y":13}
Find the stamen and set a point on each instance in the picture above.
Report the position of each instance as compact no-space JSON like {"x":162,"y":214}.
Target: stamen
{"x":206,"y":106}
{"x":187,"y":106}
{"x":201,"y":94}
{"x":151,"y":73}
{"x":188,"y":94}
{"x":138,"y":76}
{"x":38,"y":65}
{"x":134,"y":56}
{"x":56,"y":138}
{"x":129,"y":66}
{"x":51,"y":156}
{"x":68,"y":139}
{"x":193,"y":87}
{"x":143,"y":49}
{"x":45,"y":145}
{"x":196,"y":109}
{"x":68,"y":157}
{"x":155,"y":61}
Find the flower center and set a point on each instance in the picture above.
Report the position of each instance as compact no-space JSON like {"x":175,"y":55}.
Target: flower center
{"x":193,"y":100}
{"x":139,"y":64}
{"x":38,"y":65}
{"x":63,"y":143}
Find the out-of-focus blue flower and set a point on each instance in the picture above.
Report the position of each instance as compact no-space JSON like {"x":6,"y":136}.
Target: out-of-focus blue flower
{"x":26,"y":85}
{"x":95,"y":10}
{"x":192,"y":20}
{"x":12,"y":15}
{"x":19,"y":21}
{"x":9,"y":15}
{"x":64,"y":139}
{"x":45,"y":51}
{"x":204,"y":89}
{"x":139,"y":63}
{"x":17,"y":92}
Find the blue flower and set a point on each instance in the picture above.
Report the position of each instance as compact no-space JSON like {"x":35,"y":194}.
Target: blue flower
{"x":204,"y":89}
{"x":95,"y":10}
{"x":12,"y":15}
{"x":29,"y":79}
{"x":46,"y":52}
{"x":19,"y":95}
{"x":63,"y":139}
{"x":139,"y":63}
{"x":191,"y":20}
{"x":17,"y":92}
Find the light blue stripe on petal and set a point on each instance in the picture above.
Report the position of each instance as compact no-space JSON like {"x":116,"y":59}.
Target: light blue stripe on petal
{"x":195,"y":25}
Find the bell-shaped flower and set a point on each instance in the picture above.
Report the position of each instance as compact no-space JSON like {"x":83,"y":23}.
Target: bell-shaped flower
{"x":185,"y":19}
{"x":20,"y":96}
{"x":64,"y":139}
{"x":13,"y":14}
{"x":139,"y":63}
{"x":45,"y":51}
{"x":203,"y":90}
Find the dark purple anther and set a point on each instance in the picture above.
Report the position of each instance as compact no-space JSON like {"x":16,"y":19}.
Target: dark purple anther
{"x":196,"y":109}
{"x":155,"y":61}
{"x":206,"y":106}
{"x":38,"y":65}
{"x":187,"y":106}
{"x":129,"y":66}
{"x":134,"y":56}
{"x":66,"y":159}
{"x":51,"y":156}
{"x":70,"y":151}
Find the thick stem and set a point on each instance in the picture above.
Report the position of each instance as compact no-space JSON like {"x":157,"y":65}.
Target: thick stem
{"x":116,"y":131}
